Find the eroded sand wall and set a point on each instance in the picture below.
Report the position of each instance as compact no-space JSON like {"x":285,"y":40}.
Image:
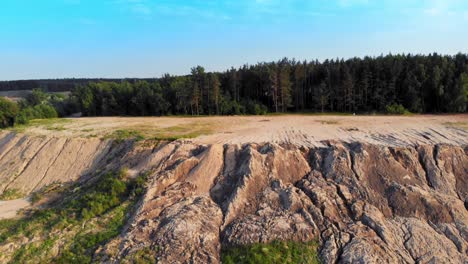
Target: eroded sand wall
{"x":362,"y":202}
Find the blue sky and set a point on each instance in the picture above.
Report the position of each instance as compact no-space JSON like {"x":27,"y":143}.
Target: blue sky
{"x":146,"y":38}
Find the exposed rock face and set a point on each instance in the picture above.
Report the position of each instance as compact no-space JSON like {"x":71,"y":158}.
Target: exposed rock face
{"x":363,"y":203}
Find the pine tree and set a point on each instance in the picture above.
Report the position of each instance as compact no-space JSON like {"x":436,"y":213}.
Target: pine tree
{"x":215,"y":91}
{"x":284,"y":84}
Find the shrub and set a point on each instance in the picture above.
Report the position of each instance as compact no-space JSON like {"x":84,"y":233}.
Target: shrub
{"x":396,"y":109}
{"x":8,"y":112}
{"x":254,"y":108}
{"x":36,"y":112}
{"x":37,"y":97}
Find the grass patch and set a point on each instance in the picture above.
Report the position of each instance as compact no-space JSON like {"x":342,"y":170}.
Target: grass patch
{"x":85,"y":243}
{"x":53,"y":124}
{"x":462,"y":125}
{"x":275,"y":252}
{"x":84,"y":218}
{"x":141,"y":256}
{"x":191,"y":130}
{"x":11,"y":194}
{"x":32,"y":252}
{"x":186,"y":131}
{"x":122,"y":134}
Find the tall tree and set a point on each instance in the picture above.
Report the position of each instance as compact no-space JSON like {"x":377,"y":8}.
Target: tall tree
{"x":284,"y":84}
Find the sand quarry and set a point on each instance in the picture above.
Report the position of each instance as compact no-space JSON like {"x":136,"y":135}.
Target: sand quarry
{"x":368,"y":189}
{"x":300,"y":130}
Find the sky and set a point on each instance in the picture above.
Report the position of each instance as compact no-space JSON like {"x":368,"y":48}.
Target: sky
{"x":147,"y":38}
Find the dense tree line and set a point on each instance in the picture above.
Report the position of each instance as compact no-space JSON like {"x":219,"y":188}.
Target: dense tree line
{"x":57,"y":85}
{"x":393,"y":83}
{"x":419,"y":83}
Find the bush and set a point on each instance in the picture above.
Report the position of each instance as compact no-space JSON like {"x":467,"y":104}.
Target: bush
{"x":37,"y":97}
{"x":65,"y":106}
{"x":36,"y":112}
{"x":254,"y":108}
{"x":8,"y":112}
{"x":231,"y":107}
{"x":396,"y":109}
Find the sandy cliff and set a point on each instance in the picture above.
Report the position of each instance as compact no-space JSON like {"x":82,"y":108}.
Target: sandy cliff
{"x":363,"y":201}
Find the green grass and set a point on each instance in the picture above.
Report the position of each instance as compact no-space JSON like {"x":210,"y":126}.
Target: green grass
{"x":11,"y":194}
{"x":84,"y":218}
{"x":191,"y":130}
{"x":141,"y":256}
{"x":56,"y":124}
{"x":186,"y":131}
{"x":181,"y":132}
{"x":85,"y":243}
{"x":124,"y":134}
{"x":275,"y":252}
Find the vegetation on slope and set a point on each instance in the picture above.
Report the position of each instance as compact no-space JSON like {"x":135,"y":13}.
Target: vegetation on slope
{"x":70,"y":231}
{"x":11,"y":194}
{"x":274,"y":252}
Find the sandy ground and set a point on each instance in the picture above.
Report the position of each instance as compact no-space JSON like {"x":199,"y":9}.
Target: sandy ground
{"x":303,"y":130}
{"x":307,"y":130}
{"x":8,"y":209}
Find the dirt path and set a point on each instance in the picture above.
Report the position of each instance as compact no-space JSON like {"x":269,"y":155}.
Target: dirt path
{"x":8,"y":209}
